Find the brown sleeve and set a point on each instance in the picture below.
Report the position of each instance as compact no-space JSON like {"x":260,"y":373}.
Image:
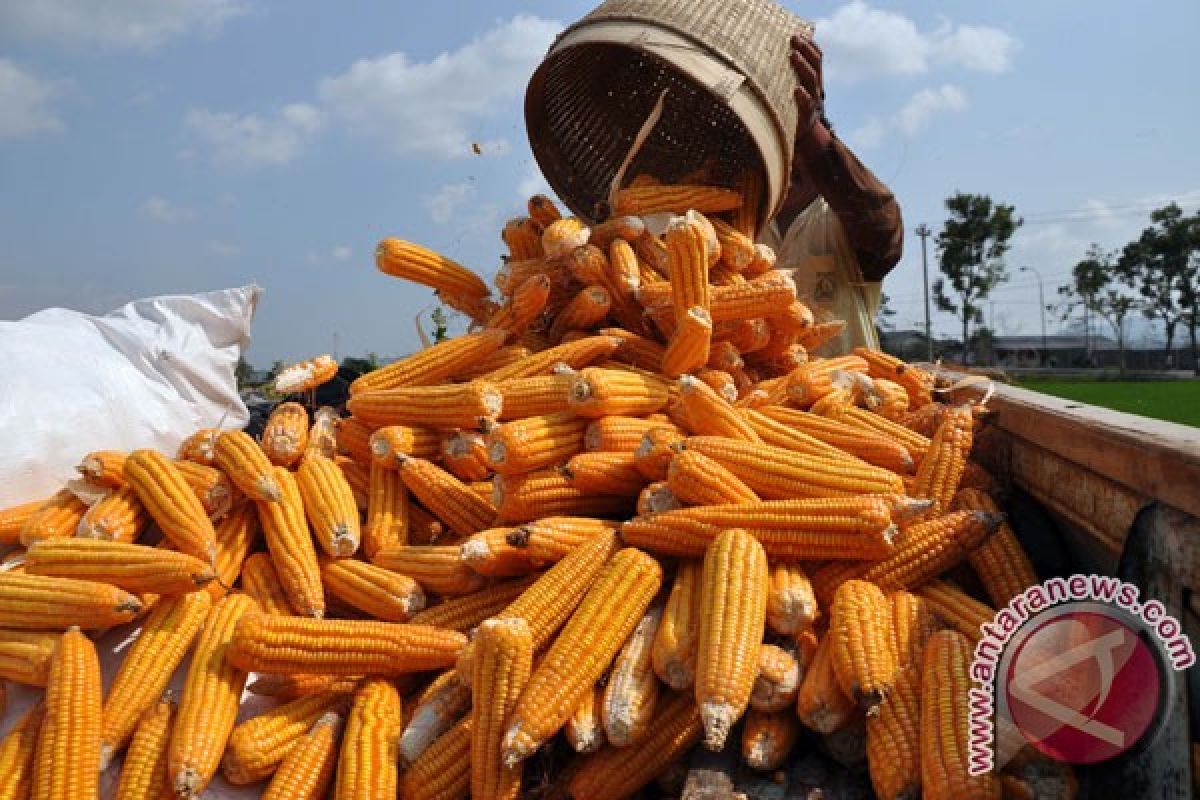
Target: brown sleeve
{"x":866,"y":208}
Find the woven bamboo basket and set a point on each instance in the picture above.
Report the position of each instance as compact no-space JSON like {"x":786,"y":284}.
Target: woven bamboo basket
{"x":728,"y":103}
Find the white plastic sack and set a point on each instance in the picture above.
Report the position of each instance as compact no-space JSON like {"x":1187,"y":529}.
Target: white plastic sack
{"x":145,"y":375}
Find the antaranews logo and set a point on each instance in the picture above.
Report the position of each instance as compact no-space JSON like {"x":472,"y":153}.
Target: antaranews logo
{"x":1078,"y":667}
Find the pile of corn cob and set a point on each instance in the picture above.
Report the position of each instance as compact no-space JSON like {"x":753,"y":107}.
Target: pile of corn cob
{"x":629,"y":507}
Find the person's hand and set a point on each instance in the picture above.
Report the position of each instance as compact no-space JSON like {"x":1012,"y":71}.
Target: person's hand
{"x":810,"y":92}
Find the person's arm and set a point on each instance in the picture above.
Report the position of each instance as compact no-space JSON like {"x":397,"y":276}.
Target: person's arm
{"x":824,"y":165}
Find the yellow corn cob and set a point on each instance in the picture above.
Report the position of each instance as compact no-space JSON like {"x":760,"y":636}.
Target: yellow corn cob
{"x":463,"y":511}
{"x":261,"y":581}
{"x":584,"y":731}
{"x":631,"y":694}
{"x":464,"y":455}
{"x":677,"y":639}
{"x":956,"y":608}
{"x":307,"y":375}
{"x":103,"y":469}
{"x":437,"y":709}
{"x":387,"y":511}
{"x":655,"y":451}
{"x":923,"y":551}
{"x":438,"y":569}
{"x":893,"y":740}
{"x":790,"y":425}
{"x":815,"y":529}
{"x":30,"y":602}
{"x":821,"y":704}
{"x":423,"y":527}
{"x":523,"y":498}
{"x":465,"y":612}
{"x":616,"y":773}
{"x":209,"y":703}
{"x":354,"y":438}
{"x":711,"y":415}
{"x":434,"y":364}
{"x":917,"y":383}
{"x":912,"y":623}
{"x":698,"y":480}
{"x":267,"y":643}
{"x":523,"y":237}
{"x":563,"y":235}
{"x":689,"y":253}
{"x":329,"y":505}
{"x":543,"y":210}
{"x":737,"y":246}
{"x":291,"y":547}
{"x":211,"y":486}
{"x":768,"y":738}
{"x":367,"y":765}
{"x":723,"y":355}
{"x":776,"y":473}
{"x":758,"y":297}
{"x":502,"y":665}
{"x":587,"y":264}
{"x":377,"y":591}
{"x":306,"y":772}
{"x":68,"y":745}
{"x":489,"y":553}
{"x":626,"y":228}
{"x":144,"y":771}
{"x":285,"y":436}
{"x":165,"y":638}
{"x":25,"y":656}
{"x":200,"y":447}
{"x":605,"y":474}
{"x":636,"y":350}
{"x":945,"y":683}
{"x":942,"y":467}
{"x":535,"y":396}
{"x":55,"y":517}
{"x":388,"y":443}
{"x":734,"y":603}
{"x":813,"y":380}
{"x":777,"y":680}
{"x":358,"y":478}
{"x":119,"y":516}
{"x":132,"y":567}
{"x":286,"y":688}
{"x":412,"y":262}
{"x":721,"y":382}
{"x":247,"y":466}
{"x":236,"y":535}
{"x":13,"y":519}
{"x":504,"y":357}
{"x":551,"y":539}
{"x":652,"y":257}
{"x":257,"y":746}
{"x":576,"y":355}
{"x":322,"y":435}
{"x":17,"y":750}
{"x":821,"y":334}
{"x":535,"y":442}
{"x":603,"y":392}
{"x":864,"y":656}
{"x":515,"y":271}
{"x":1000,"y":562}
{"x":443,"y":772}
{"x":916,"y":444}
{"x":892,"y":399}
{"x":455,"y":405}
{"x":591,"y":639}
{"x":688,"y":349}
{"x":747,"y":336}
{"x":788,"y":360}
{"x":617,"y":434}
{"x":677,"y":199}
{"x":791,"y":604}
{"x":586,"y":310}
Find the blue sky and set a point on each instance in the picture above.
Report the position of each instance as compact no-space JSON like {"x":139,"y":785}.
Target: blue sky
{"x":161,"y":146}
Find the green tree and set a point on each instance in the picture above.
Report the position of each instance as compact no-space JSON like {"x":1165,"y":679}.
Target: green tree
{"x":971,"y":248}
{"x":276,"y":368}
{"x":1163,"y":264}
{"x":884,"y":316}
{"x":1097,"y":286}
{"x":440,"y":324}
{"x":242,"y":372}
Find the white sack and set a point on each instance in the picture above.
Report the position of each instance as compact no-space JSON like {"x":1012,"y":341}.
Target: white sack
{"x":145,"y":375}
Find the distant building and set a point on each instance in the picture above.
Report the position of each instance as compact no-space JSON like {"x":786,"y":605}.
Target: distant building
{"x":1061,"y":350}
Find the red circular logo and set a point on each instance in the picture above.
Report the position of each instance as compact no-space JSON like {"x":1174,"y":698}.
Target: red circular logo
{"x":1083,"y":687}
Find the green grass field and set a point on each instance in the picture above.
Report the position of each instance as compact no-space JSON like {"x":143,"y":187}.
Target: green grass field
{"x":1176,"y":401}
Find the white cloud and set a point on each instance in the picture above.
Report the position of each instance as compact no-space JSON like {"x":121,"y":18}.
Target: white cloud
{"x":1100,"y":213}
{"x":868,"y":136}
{"x":117,"y":24}
{"x":533,"y":183}
{"x":432,"y":108}
{"x":445,"y":201}
{"x":340,"y":253}
{"x":224,"y":249}
{"x":914,"y":116}
{"x":162,"y":210}
{"x":253,"y":140}
{"x":26,"y":103}
{"x":861,"y":42}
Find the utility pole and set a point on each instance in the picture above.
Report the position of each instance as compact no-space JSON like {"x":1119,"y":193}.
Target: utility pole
{"x":1041,"y":309}
{"x":924,"y":232}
